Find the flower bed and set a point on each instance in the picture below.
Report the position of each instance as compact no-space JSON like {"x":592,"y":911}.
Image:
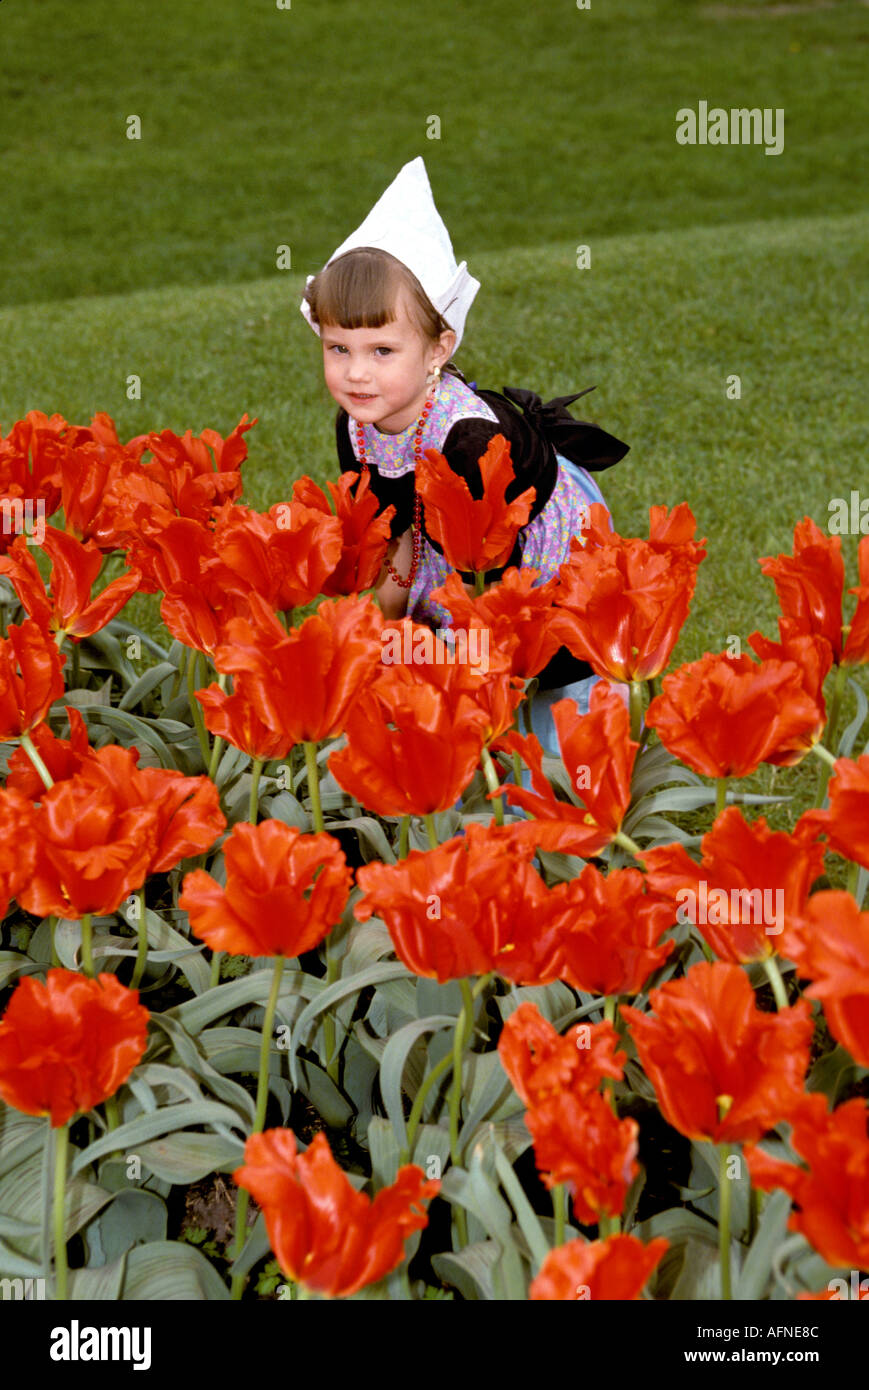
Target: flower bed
{"x":288,"y":908}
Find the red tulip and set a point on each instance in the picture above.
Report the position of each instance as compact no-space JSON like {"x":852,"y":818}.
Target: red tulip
{"x":286,"y":555}
{"x":846,"y":821}
{"x":17,"y":846}
{"x":615,"y":1268}
{"x":234,"y":719}
{"x":750,"y":882}
{"x":809,"y":583}
{"x":366,"y":531}
{"x":578,"y":1141}
{"x":598,"y":755}
{"x":723,"y":1070}
{"x":474,"y":534}
{"x":284,"y":892}
{"x":30,"y":678}
{"x":409,"y":751}
{"x":67,"y":607}
{"x":304,"y":683}
{"x":542,"y":1063}
{"x":613,"y":943}
{"x":104,"y":829}
{"x":473,"y":905}
{"x":518,"y":615}
{"x":832,"y":1193}
{"x":323,"y":1232}
{"x":857,"y":643}
{"x":724,"y":715}
{"x":829,"y":945}
{"x":624,"y":600}
{"x":68,"y":1044}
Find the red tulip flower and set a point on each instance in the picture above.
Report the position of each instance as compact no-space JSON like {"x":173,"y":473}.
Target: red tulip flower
{"x":304,"y":683}
{"x":104,"y":829}
{"x":832,"y":1193}
{"x":409,"y":752}
{"x":856,"y":649}
{"x":624,"y":601}
{"x":598,"y":754}
{"x":473,"y":905}
{"x":724,"y":716}
{"x":67,"y":606}
{"x":324,"y":1233}
{"x":284,"y":892}
{"x":615,"y":1268}
{"x":286,"y":555}
{"x":810,"y":583}
{"x":366,"y":531}
{"x":723,"y":1070}
{"x":30,"y":678}
{"x":754,"y":880}
{"x":68,"y":1044}
{"x":578,"y":1141}
{"x":577,"y":1138}
{"x":542,"y":1063}
{"x":613,"y":943}
{"x":17,"y":845}
{"x":846,"y":820}
{"x":813,"y":657}
{"x":473,"y":533}
{"x":233,"y":718}
{"x":829,"y":945}
{"x":518,"y":615}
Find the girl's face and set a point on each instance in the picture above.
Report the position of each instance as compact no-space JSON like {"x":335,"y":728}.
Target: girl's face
{"x":379,"y":375}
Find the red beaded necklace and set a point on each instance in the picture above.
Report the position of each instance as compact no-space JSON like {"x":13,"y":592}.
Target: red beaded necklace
{"x":417,"y":504}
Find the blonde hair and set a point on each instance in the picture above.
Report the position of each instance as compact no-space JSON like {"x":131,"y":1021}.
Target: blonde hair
{"x":361,"y":289}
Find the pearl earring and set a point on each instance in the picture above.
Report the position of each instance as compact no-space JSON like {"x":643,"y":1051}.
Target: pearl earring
{"x":433,"y":376}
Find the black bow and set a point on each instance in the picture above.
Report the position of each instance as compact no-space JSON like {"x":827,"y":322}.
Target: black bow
{"x":578,"y":440}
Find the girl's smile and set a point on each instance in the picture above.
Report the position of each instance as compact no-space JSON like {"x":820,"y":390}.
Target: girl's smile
{"x":378,"y":375}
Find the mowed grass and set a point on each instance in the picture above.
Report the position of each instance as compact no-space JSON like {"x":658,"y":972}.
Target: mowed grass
{"x":263,"y":126}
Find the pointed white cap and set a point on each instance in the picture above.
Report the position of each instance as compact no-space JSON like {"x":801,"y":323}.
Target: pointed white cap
{"x":405,"y":222}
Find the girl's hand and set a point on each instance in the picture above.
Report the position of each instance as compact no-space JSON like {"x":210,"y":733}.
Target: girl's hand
{"x":391,"y":597}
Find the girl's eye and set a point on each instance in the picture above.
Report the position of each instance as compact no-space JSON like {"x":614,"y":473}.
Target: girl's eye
{"x":383,"y":349}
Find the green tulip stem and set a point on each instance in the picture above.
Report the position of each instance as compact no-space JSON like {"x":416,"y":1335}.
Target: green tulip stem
{"x":430,"y":830}
{"x":87,"y":945}
{"x":61,"y":1150}
{"x":419,"y":1101}
{"x":773,"y":974}
{"x":636,"y":708}
{"x":464,"y":1027}
{"x":253,"y":803}
{"x":44,"y":774}
{"x":403,"y":836}
{"x":142,"y":932}
{"x":724,"y":1220}
{"x":314,"y":784}
{"x":493,"y":784}
{"x":262,"y":1095}
{"x":720,"y":795}
{"x":196,"y":709}
{"x":625,"y":842}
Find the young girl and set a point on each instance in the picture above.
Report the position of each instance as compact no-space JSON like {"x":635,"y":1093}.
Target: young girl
{"x":390,"y":307}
